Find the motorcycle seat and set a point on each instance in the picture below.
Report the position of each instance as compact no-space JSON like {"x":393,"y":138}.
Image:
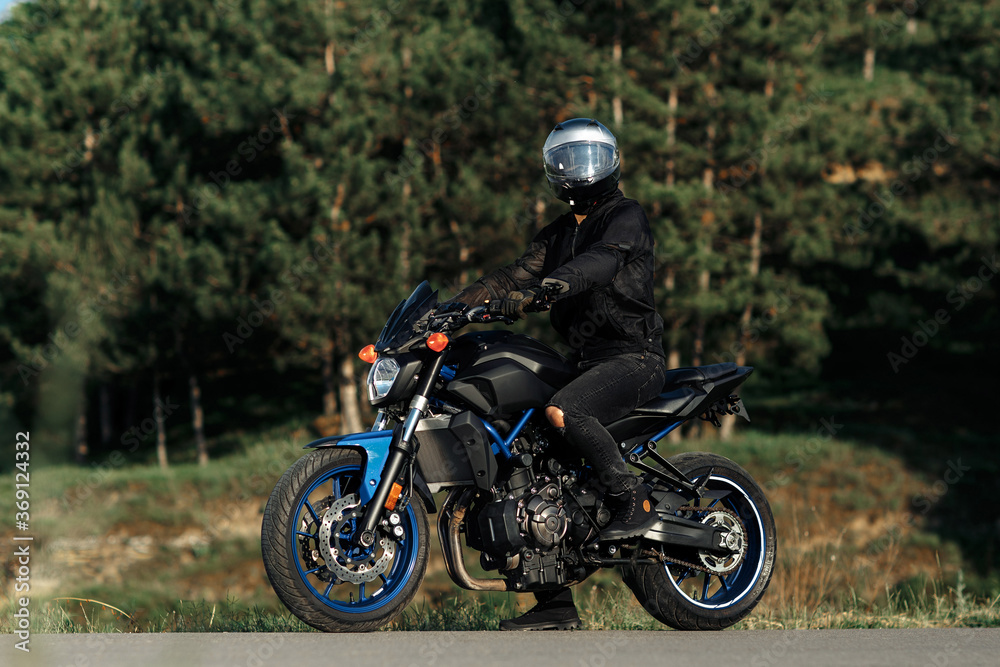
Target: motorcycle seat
{"x":670,"y":403}
{"x":687,"y":392}
{"x":681,"y":386}
{"x":696,"y":376}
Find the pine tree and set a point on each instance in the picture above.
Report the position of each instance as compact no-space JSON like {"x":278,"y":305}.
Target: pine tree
{"x":67,"y":100}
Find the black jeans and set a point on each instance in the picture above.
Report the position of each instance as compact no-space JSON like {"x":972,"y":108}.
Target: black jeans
{"x":608,"y":389}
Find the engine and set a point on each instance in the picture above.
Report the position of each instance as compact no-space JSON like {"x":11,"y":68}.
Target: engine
{"x":528,"y":533}
{"x":544,"y":517}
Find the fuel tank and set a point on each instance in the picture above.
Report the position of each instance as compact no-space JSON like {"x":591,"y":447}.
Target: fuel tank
{"x":499,"y":373}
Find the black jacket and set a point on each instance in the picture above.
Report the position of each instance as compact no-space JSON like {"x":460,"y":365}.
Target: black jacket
{"x":605,"y":266}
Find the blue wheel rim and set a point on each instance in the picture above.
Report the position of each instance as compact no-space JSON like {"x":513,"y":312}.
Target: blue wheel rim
{"x":711,"y":591}
{"x":362,"y":598}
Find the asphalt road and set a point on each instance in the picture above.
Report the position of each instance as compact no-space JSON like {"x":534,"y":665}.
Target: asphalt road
{"x":812,"y":648}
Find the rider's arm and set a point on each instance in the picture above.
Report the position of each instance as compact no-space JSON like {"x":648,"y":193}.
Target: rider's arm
{"x":524,"y":272}
{"x":598,"y":266}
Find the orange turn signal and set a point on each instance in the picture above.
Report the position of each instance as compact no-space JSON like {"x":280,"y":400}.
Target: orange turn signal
{"x":368,"y":354}
{"x":437,"y":342}
{"x":390,"y":502}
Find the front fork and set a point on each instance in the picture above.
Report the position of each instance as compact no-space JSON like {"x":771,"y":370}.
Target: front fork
{"x":400,"y":452}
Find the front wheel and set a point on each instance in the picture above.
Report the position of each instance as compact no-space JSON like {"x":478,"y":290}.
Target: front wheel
{"x":704,"y":591}
{"x":317,"y":571}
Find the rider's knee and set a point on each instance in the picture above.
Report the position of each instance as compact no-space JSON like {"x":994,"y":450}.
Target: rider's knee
{"x":555,"y":416}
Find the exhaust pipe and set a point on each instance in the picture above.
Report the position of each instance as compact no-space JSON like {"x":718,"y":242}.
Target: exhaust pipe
{"x":449,"y":521}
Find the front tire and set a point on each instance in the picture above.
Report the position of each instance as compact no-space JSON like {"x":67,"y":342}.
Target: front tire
{"x":685,"y":598}
{"x":314,"y":568}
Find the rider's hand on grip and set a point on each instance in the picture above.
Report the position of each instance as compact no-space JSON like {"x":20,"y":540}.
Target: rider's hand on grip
{"x":493,"y":307}
{"x":516,"y":304}
{"x":491,"y":311}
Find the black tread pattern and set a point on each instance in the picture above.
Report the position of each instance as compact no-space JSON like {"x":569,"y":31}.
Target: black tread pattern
{"x":658,"y":597}
{"x":279,"y":554}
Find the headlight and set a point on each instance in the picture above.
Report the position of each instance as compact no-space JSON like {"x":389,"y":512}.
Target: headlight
{"x":381,"y":377}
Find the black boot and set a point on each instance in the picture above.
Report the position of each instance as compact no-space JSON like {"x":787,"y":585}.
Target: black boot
{"x":634,"y":514}
{"x":555,"y":611}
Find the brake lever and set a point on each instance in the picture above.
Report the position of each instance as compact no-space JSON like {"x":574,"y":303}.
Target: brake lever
{"x":539,"y":305}
{"x":485,"y":314}
{"x":544,"y":299}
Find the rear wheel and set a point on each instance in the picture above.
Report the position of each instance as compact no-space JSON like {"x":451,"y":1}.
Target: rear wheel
{"x":711,"y":592}
{"x":317,"y":571}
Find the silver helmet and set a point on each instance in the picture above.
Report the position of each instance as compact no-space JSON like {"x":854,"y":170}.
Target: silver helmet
{"x":581,"y":160}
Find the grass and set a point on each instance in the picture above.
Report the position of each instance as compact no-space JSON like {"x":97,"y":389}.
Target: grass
{"x":899,"y":609}
{"x":613,"y":609}
{"x":82,"y":615}
{"x":148,"y":550}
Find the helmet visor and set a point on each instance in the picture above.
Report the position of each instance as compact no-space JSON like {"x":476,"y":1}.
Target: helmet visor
{"x":580,"y":162}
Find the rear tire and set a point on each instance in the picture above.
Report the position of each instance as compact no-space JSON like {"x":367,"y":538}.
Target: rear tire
{"x":685,"y":599}
{"x":290,"y":542}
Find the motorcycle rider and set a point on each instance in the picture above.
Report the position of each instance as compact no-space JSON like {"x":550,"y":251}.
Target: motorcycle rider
{"x":599,"y":256}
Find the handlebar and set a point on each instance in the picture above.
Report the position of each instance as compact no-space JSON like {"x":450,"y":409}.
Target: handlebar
{"x":456,"y":315}
{"x":453,"y":319}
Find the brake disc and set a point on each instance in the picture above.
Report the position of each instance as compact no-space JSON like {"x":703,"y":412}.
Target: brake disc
{"x":311,"y":556}
{"x":338,"y":552}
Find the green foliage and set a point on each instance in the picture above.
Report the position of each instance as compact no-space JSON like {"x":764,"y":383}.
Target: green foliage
{"x":211,"y":190}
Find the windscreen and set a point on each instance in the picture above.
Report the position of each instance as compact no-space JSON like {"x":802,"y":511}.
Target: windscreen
{"x":399,"y":327}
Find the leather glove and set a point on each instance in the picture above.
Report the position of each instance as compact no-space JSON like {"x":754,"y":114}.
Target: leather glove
{"x":514,"y":303}
{"x":474,"y":295}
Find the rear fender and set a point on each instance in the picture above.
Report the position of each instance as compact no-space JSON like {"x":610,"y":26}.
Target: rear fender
{"x":374,"y":447}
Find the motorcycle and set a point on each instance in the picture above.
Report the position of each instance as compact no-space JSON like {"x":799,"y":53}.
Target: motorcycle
{"x":345,"y":538}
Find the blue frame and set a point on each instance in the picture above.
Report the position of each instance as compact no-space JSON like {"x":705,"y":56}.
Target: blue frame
{"x":498,"y":443}
{"x":501,"y":444}
{"x":664,"y":432}
{"x":516,"y":431}
{"x":656,"y":438}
